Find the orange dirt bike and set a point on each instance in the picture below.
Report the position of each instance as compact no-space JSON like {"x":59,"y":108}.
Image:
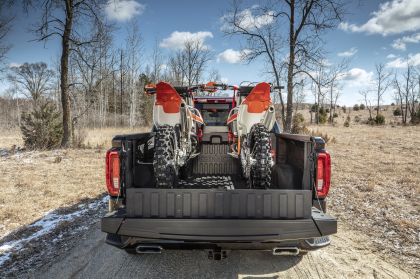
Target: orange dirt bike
{"x":249,"y":125}
{"x":176,"y":125}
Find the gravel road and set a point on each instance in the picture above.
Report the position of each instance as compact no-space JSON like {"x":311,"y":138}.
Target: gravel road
{"x":348,"y":256}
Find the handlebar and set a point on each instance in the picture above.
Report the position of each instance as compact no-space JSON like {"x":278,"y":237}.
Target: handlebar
{"x":150,"y":89}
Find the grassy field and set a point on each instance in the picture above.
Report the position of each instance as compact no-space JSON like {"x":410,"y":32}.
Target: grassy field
{"x":375,"y":182}
{"x":36,"y":182}
{"x":376,"y":186}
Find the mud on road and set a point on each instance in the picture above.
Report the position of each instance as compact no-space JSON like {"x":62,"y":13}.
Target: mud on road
{"x":346,"y":257}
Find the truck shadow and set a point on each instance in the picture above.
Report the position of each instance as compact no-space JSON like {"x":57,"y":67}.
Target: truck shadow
{"x":195,"y":264}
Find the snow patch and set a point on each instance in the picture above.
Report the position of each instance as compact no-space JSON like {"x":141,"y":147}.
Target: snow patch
{"x":44,"y":226}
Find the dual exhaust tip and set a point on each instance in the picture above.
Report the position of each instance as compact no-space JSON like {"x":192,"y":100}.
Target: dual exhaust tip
{"x":277,"y":251}
{"x":285,"y":251}
{"x":148,"y":249}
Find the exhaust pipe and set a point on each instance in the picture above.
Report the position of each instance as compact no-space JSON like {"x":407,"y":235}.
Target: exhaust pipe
{"x":269,"y":118}
{"x":184,"y":119}
{"x":285,"y":251}
{"x":148,"y":249}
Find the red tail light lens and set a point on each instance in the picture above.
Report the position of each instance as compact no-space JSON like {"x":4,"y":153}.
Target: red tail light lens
{"x":323,"y":174}
{"x":113,"y":172}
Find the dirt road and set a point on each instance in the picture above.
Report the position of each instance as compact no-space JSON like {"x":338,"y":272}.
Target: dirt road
{"x":347,"y":257}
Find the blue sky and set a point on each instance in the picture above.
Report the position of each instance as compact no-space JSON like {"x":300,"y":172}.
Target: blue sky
{"x":373,"y":31}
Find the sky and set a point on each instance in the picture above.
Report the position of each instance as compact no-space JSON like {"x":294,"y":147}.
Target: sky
{"x":372,"y":32}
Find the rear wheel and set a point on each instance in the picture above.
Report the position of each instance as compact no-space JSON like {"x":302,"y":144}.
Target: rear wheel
{"x":164,"y":158}
{"x":260,"y":149}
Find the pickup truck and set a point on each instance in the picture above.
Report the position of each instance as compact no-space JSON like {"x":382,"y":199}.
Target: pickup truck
{"x":213,"y":207}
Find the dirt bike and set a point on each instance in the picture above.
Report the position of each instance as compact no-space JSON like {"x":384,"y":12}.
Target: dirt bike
{"x":249,"y":125}
{"x":176,"y":125}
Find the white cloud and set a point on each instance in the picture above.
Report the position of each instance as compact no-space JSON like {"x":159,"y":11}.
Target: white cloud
{"x":412,"y":59}
{"x":13,"y":64}
{"x":177,"y":39}
{"x":398,"y":44}
{"x":357,"y":77}
{"x":348,"y":53}
{"x":392,"y":17}
{"x":401,"y":43}
{"x":122,"y":10}
{"x":247,"y":20}
{"x":232,"y":56}
{"x":391,"y":56}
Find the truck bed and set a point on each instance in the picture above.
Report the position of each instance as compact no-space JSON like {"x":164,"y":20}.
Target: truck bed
{"x":213,"y":207}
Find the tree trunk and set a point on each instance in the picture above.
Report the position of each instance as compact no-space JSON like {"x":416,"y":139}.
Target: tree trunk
{"x":318,"y":107}
{"x":289,"y":105}
{"x":331,"y":103}
{"x":114,"y":96}
{"x":281,"y":97}
{"x":18,"y":110}
{"x":65,"y":98}
{"x":121,"y":89}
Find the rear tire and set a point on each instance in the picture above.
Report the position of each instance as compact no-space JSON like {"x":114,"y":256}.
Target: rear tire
{"x":164,"y":158}
{"x":260,"y":147}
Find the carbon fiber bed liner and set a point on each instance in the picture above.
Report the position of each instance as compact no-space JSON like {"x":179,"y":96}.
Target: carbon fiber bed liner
{"x":214,"y":160}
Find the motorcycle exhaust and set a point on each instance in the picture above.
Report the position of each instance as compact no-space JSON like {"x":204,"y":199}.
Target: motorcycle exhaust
{"x":148,"y":249}
{"x":184,"y":119}
{"x":285,"y":251}
{"x":269,"y":118}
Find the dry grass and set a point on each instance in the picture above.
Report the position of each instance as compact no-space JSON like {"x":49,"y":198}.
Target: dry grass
{"x":376,"y":185}
{"x":363,"y":115}
{"x":35,"y":182}
{"x":8,"y":138}
{"x":103,"y":137}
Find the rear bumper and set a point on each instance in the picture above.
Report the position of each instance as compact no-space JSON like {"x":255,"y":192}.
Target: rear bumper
{"x":123,"y":232}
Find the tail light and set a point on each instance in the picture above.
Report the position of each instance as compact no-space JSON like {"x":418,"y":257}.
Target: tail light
{"x":113,"y":172}
{"x":323,"y":174}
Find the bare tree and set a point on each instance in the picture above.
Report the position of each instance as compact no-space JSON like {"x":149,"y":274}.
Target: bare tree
{"x":174,"y":71}
{"x":299,"y":96}
{"x":5,"y":25}
{"x":214,"y":75}
{"x":133,"y":57}
{"x":33,"y":80}
{"x":90,"y":68}
{"x":368,"y":102}
{"x":326,"y":78}
{"x":12,"y":95}
{"x":157,"y":63}
{"x":382,"y":82}
{"x":195,"y":57}
{"x":335,"y":94}
{"x":187,"y":65}
{"x":335,"y":73}
{"x":63,"y":18}
{"x":262,"y":37}
{"x":407,"y":95}
{"x":320,"y":80}
{"x":305,"y":20}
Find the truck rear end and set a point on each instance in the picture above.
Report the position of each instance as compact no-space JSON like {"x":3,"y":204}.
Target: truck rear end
{"x":213,"y":207}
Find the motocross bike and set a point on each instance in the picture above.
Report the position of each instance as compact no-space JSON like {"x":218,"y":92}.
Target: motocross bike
{"x":176,"y":124}
{"x":249,"y":125}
